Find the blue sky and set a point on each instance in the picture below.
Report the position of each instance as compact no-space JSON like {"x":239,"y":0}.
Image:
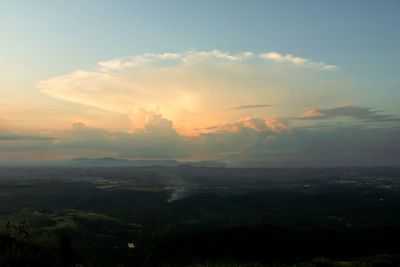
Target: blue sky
{"x":42,"y":40}
{"x":348,"y":33}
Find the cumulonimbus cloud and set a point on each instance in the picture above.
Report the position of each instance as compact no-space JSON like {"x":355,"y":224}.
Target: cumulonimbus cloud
{"x":191,"y":88}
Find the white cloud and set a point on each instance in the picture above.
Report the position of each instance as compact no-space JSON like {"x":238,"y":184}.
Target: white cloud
{"x":191,"y":56}
{"x":296,"y":60}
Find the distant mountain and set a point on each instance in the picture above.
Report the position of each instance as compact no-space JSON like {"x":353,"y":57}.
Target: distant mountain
{"x":116,"y":162}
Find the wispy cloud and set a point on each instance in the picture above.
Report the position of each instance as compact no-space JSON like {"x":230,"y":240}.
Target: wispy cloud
{"x":355,"y":112}
{"x":250,"y":107}
{"x":297,"y":60}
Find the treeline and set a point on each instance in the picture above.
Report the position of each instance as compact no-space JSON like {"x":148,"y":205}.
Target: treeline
{"x":264,"y":244}
{"x":271,"y":244}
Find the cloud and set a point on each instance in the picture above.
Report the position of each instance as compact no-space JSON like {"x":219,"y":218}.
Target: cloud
{"x":254,"y":123}
{"x":250,"y":106}
{"x":246,"y":142}
{"x":191,"y":56}
{"x":157,"y":139}
{"x":330,"y":146}
{"x":190,"y":88}
{"x":355,"y":112}
{"x":296,"y":60}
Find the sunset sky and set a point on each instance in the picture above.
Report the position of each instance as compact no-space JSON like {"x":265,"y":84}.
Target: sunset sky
{"x":252,"y":83}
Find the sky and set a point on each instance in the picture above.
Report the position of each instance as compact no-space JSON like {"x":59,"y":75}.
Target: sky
{"x":250,"y":83}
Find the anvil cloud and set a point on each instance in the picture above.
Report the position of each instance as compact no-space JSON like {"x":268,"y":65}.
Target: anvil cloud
{"x":193,"y":88}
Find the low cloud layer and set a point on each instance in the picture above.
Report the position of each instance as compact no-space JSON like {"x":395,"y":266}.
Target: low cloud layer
{"x":246,"y":142}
